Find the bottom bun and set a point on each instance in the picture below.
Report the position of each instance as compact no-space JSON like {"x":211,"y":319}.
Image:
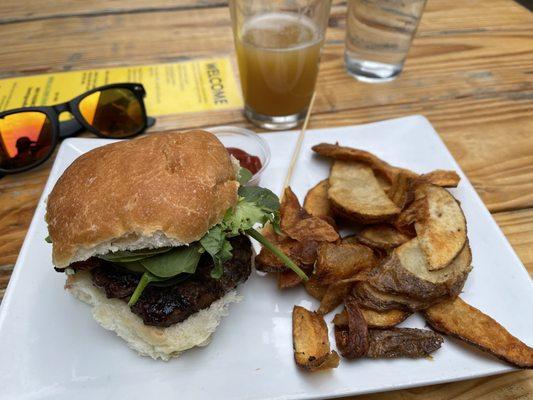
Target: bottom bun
{"x":156,"y":342}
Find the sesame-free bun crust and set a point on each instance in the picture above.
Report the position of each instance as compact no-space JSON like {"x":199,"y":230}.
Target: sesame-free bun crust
{"x":165,"y":189}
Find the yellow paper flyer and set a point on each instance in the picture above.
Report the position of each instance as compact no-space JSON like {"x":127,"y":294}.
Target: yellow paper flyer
{"x":173,"y":88}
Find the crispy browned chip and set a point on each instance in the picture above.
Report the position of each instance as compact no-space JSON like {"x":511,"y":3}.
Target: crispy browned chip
{"x":405,"y":221}
{"x":289,"y":279}
{"x":315,"y":288}
{"x":333,"y":297}
{"x":438,"y":177}
{"x":402,"y":342}
{"x":311,"y":342}
{"x":300,"y":225}
{"x":337,"y":292}
{"x":355,"y":155}
{"x":355,"y":193}
{"x":374,"y":319}
{"x":313,"y":229}
{"x":377,"y":300}
{"x":457,"y":318}
{"x":303,"y":253}
{"x":406,"y":272}
{"x":383,"y":237}
{"x":384,"y":319}
{"x":442,"y":230}
{"x":351,"y":239}
{"x":442,"y":178}
{"x":290,"y":210}
{"x":352,"y":340}
{"x":402,"y":192}
{"x":316,"y":200}
{"x":341,"y":261}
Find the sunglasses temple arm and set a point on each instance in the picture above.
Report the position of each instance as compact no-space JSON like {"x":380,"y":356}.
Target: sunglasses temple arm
{"x":70,"y":128}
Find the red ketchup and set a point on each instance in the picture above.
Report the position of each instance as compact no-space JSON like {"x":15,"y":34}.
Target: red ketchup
{"x":248,"y":161}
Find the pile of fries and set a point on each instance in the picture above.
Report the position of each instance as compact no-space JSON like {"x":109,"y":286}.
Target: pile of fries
{"x":409,"y":253}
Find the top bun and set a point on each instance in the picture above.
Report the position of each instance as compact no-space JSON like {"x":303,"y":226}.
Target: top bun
{"x":165,"y":189}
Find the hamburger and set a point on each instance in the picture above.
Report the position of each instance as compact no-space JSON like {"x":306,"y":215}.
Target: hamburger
{"x":153,"y":234}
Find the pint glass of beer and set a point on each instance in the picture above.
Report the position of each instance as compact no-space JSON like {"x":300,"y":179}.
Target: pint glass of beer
{"x":278,"y":44}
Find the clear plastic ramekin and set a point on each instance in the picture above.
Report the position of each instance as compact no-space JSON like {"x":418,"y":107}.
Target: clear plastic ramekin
{"x":247,"y":140}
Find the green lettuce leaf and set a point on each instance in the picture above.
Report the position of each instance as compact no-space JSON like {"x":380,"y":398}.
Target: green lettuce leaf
{"x":183,"y":259}
{"x":126,"y":256}
{"x":244,"y":175}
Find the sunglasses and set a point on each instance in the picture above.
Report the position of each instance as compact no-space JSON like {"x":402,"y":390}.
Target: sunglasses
{"x":29,"y":135}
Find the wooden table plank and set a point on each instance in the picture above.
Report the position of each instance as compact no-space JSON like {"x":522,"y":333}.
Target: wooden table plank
{"x":133,"y":39}
{"x":16,"y":10}
{"x":515,"y":385}
{"x":469,"y":71}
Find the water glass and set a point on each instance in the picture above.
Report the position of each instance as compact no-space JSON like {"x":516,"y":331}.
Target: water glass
{"x":378,"y":36}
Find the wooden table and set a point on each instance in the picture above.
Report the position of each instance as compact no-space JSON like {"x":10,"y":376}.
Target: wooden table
{"x":470,"y":71}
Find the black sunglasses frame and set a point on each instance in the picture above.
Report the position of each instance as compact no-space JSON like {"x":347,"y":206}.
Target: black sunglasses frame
{"x":66,"y":129}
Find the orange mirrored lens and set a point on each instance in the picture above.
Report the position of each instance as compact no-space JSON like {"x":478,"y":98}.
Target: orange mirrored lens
{"x":113,"y":112}
{"x":25,"y":139}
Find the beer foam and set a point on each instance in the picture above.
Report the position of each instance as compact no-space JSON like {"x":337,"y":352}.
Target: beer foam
{"x":280,"y":31}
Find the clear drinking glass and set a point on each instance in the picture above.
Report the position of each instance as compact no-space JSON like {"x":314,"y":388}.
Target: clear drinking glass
{"x":378,"y":36}
{"x":278,"y":44}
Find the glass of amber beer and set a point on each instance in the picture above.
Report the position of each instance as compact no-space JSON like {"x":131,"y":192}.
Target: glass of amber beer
{"x":278,"y":44}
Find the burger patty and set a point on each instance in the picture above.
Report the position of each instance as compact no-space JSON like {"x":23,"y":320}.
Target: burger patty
{"x":168,"y":305}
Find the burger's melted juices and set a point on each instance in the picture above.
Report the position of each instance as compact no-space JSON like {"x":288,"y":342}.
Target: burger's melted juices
{"x":170,"y":304}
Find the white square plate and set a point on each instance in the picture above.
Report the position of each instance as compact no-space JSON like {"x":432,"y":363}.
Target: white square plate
{"x":51,"y":348}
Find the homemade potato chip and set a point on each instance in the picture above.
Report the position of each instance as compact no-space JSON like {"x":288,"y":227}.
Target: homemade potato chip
{"x":315,"y":288}
{"x":352,"y":339}
{"x":383,"y":237}
{"x":402,"y":342}
{"x":311,"y":342}
{"x":441,"y":230}
{"x":375,"y":319}
{"x":406,"y":272}
{"x":401,"y":191}
{"x":341,"y":261}
{"x":300,"y":225}
{"x":443,"y":178}
{"x":457,"y":318}
{"x":316,"y":201}
{"x":355,"y":155}
{"x":355,"y":193}
{"x":336,"y":293}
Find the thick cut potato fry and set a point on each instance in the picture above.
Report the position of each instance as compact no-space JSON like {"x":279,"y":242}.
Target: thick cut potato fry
{"x":302,"y":253}
{"x":341,"y":261}
{"x":459,"y":319}
{"x":375,"y":319}
{"x":315,"y":288}
{"x":384,"y":319}
{"x":383,"y":237}
{"x":443,"y":178}
{"x":335,"y":294}
{"x":316,"y":200}
{"x":377,"y":300}
{"x":352,"y":339}
{"x":401,"y":192}
{"x":402,"y":342}
{"x":289,"y":279}
{"x":355,"y":193}
{"x":355,"y":155}
{"x":442,"y":230}
{"x":300,"y":225}
{"x":406,"y":272}
{"x":310,"y":341}
{"x":438,"y":177}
